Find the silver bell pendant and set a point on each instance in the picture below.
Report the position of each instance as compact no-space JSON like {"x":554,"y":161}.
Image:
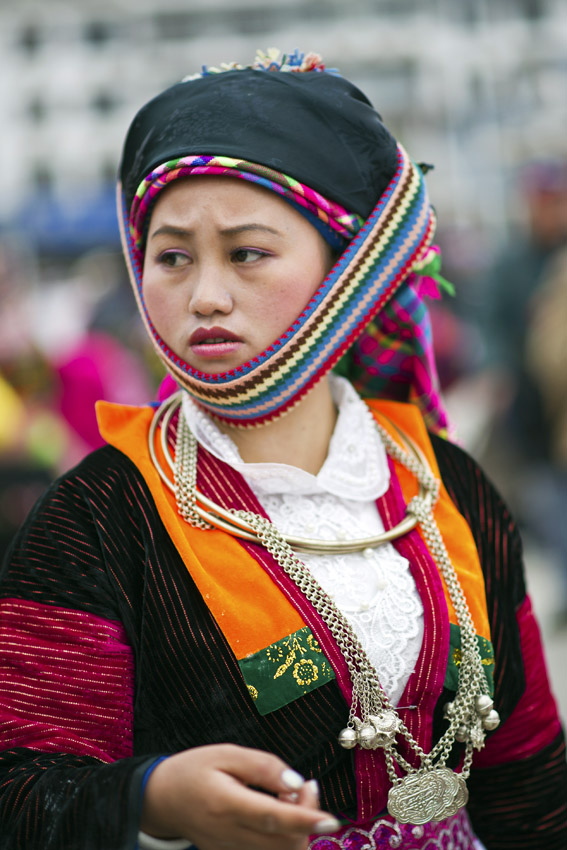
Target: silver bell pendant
{"x":348,"y":738}
{"x":488,"y":715}
{"x":484,"y":704}
{"x":491,"y":721}
{"x":367,"y":736}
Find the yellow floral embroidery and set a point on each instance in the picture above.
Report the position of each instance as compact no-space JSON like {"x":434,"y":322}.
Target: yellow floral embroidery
{"x":285,"y":670}
{"x":305,"y":672}
{"x":313,"y":643}
{"x":293,"y":645}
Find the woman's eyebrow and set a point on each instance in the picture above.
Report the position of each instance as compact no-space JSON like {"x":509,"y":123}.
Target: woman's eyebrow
{"x":170,"y":230}
{"x":180,"y":232}
{"x":242,"y":228}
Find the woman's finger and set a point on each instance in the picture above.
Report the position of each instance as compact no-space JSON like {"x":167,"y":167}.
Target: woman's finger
{"x":308,"y":795}
{"x":271,"y":816}
{"x":253,"y":767}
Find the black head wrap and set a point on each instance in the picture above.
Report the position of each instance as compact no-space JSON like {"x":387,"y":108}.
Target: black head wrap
{"x":317,"y":127}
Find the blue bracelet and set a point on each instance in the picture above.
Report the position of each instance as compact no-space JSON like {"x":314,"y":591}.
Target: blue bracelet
{"x":148,"y":772}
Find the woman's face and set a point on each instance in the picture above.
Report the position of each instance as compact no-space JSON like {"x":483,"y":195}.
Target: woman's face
{"x":229,"y":266}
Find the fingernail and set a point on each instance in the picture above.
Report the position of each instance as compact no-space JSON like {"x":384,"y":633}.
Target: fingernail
{"x":314,"y":785}
{"x":292,"y":780}
{"x":328,"y":825}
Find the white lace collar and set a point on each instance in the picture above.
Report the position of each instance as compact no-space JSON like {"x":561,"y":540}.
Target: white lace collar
{"x":356,"y":466}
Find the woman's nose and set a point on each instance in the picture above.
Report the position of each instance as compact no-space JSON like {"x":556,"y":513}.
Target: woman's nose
{"x":209,"y":292}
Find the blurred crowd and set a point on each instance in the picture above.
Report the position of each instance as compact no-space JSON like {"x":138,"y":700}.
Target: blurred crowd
{"x":503,"y":355}
{"x":525,"y":315}
{"x":65,"y":343}
{"x":71,"y":336}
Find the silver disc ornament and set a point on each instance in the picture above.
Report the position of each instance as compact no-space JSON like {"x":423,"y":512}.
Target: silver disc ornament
{"x":427,"y":796}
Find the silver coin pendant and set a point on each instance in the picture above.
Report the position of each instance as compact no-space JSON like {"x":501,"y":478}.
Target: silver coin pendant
{"x":430,"y":796}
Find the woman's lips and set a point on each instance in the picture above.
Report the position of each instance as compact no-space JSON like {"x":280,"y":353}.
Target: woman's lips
{"x":214,"y":342}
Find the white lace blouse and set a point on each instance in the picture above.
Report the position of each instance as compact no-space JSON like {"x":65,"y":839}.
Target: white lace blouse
{"x":374,"y":589}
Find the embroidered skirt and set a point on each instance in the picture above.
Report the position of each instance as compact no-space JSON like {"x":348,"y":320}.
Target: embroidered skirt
{"x":454,"y":833}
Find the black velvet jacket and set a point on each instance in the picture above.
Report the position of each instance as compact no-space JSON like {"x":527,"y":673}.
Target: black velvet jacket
{"x":95,"y":544}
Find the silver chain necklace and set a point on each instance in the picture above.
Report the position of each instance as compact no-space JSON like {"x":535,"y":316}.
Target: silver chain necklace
{"x":431,"y":791}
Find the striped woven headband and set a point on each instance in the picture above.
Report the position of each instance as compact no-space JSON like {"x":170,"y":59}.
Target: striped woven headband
{"x":395,"y":239}
{"x":339,"y":219}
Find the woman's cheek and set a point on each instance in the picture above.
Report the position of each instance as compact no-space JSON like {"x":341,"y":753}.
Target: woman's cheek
{"x":160,"y":309}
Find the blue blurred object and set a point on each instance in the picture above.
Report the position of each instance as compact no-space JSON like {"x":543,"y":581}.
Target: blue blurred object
{"x":69,"y":224}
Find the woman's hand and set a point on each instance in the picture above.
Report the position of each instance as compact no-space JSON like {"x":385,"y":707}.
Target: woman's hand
{"x":203,"y":795}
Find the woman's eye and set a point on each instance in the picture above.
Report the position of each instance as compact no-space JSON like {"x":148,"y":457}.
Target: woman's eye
{"x":247,"y":255}
{"x":172,"y":259}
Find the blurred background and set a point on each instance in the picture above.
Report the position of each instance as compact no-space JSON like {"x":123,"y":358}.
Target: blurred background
{"x":476,"y":87}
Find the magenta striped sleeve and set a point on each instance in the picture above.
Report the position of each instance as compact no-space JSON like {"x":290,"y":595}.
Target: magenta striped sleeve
{"x":534,"y":723}
{"x":66,"y":681}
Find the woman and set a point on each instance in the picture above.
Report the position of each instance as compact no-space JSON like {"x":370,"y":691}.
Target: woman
{"x":182,"y":670}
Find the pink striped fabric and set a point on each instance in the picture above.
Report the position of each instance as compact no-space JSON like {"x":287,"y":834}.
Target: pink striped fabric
{"x":519,"y":737}
{"x":66,"y":681}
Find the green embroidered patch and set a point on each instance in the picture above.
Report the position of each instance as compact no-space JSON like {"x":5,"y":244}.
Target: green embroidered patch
{"x":285,"y":670}
{"x":486,"y":654}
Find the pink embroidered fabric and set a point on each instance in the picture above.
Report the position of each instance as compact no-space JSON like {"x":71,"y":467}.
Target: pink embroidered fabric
{"x":66,"y":681}
{"x":454,"y":833}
